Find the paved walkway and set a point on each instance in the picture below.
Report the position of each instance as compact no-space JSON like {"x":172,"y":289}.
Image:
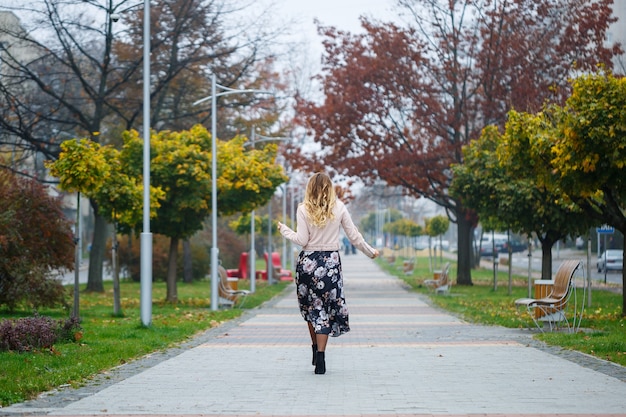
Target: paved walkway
{"x":402,"y":357}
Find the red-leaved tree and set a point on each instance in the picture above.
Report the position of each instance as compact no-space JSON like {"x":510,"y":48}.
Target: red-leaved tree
{"x":399,"y":102}
{"x":35,"y":239}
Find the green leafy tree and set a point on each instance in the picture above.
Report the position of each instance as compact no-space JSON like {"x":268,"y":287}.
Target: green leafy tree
{"x":242,"y":225}
{"x":94,"y":170}
{"x":181,"y":166}
{"x":437,"y":226}
{"x":588,"y":150}
{"x":498,"y":180}
{"x":405,"y":228}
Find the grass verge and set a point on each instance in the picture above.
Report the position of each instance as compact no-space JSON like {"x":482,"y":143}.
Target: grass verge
{"x":110,"y":341}
{"x":602,"y":333}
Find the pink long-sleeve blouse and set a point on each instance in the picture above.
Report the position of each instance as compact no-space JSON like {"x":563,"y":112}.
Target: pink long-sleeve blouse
{"x":313,"y":238}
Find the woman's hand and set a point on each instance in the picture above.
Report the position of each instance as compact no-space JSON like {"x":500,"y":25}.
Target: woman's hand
{"x":376,"y":253}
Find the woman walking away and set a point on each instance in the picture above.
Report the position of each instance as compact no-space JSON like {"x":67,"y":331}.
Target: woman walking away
{"x":319,"y":278}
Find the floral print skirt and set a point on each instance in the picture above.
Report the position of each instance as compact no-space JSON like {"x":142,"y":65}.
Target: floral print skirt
{"x":319,"y":283}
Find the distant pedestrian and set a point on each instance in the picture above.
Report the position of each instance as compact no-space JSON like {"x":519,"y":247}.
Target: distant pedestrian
{"x":346,"y":245}
{"x":319,"y":277}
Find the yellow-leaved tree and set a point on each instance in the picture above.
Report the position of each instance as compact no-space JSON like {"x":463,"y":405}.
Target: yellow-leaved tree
{"x":88,"y":168}
{"x":181,"y":166}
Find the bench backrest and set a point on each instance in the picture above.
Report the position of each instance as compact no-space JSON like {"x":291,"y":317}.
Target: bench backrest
{"x":275,"y":260}
{"x":563,"y":279}
{"x":243,"y":265}
{"x":224,"y":288}
{"x":443,"y":278}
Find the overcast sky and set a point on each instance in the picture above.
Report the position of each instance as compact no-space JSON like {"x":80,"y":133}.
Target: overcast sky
{"x":342,"y":14}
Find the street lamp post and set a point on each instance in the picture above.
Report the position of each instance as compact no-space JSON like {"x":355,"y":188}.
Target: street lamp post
{"x":146,"y":235}
{"x":270,"y":266}
{"x":252,"y":259}
{"x":214,"y":249}
{"x":252,"y":244}
{"x":284,"y":256}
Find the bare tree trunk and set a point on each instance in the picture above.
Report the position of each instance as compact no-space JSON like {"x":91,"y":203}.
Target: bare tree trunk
{"x":465,"y":251}
{"x":187,"y":263}
{"x":96,"y":255}
{"x":547,"y":242}
{"x":172,"y":294}
{"x":117,"y":305}
{"x":623,"y":286}
{"x":546,"y":258}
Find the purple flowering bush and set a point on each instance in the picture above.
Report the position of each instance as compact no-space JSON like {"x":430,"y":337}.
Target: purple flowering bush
{"x":38,"y":332}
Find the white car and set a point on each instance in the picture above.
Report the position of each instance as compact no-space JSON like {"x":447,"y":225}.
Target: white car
{"x":611,"y":260}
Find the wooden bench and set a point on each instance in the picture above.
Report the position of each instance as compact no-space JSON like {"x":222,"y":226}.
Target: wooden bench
{"x":242,"y":271}
{"x":441,"y":283}
{"x":279,"y":273}
{"x":552,"y":308}
{"x":408,"y":266}
{"x":229,"y":295}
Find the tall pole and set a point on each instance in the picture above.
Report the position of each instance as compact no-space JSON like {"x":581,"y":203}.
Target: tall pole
{"x":293,"y":224}
{"x":270,"y":266}
{"x":214,"y":249}
{"x":252,"y":237}
{"x":284,"y":219}
{"x":76,"y":312}
{"x":146,"y":236}
{"x":530,"y":266}
{"x":253,"y":140}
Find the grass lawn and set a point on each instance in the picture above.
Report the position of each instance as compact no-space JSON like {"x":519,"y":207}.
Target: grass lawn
{"x":109,"y":341}
{"x":602,"y":331}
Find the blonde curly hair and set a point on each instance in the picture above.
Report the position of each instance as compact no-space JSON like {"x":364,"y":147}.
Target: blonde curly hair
{"x":319,"y":199}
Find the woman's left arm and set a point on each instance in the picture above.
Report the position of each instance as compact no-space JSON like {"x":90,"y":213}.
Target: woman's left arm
{"x":301,"y":236}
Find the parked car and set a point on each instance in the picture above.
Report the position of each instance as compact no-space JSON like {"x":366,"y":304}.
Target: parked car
{"x":486,"y":244}
{"x":516,"y":246}
{"x":501,"y":244}
{"x":611,"y":260}
{"x":421,"y":242}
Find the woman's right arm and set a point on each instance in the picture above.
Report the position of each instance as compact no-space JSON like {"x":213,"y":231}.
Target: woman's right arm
{"x":355,"y":237}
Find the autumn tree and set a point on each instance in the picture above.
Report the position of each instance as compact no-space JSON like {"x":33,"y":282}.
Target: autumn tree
{"x":371,"y":222}
{"x":181,"y":166}
{"x":35,"y":240}
{"x":400,"y":102}
{"x":242,"y":225}
{"x":435,"y":227}
{"x":405,"y":228}
{"x":588,"y":150}
{"x":69,"y":70}
{"x":499,"y":180}
{"x":95,"y":171}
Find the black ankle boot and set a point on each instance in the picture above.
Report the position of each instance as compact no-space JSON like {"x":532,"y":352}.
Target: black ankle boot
{"x":314,"y":349}
{"x":320,"y":363}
